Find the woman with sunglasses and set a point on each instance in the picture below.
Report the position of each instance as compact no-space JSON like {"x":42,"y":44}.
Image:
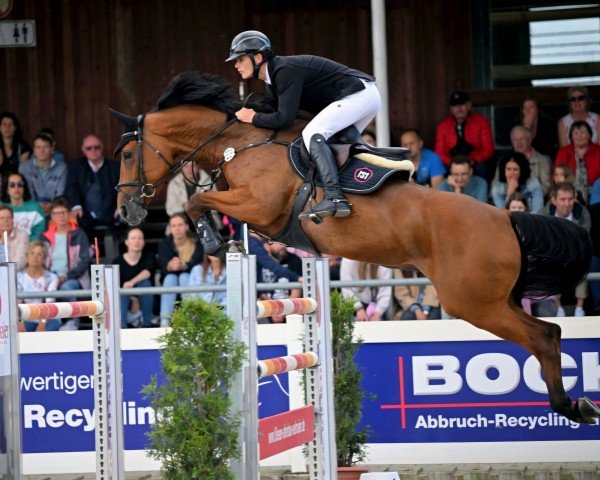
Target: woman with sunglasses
{"x":579,"y":110}
{"x":28,"y":215}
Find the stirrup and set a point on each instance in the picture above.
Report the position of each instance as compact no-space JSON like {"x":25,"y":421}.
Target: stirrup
{"x":328,"y":207}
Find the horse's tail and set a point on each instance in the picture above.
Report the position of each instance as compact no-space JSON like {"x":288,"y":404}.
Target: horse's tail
{"x":556,"y":254}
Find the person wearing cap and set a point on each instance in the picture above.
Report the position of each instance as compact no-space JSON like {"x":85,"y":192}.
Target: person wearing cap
{"x":467,"y":133}
{"x":339,"y":97}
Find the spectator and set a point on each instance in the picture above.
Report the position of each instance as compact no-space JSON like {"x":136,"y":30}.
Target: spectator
{"x":180,"y":189}
{"x":517,"y":202}
{"x":36,"y":278}
{"x":563,"y":204}
{"x":582,"y":155}
{"x":17,"y":239}
{"x":542,"y":129}
{"x":428,"y":166}
{"x":415,"y":302}
{"x":514,"y":176}
{"x":46,"y":178}
{"x":28,"y":215}
{"x":466,"y":133}
{"x":210,"y":273}
{"x":461,"y":180}
{"x":539,"y":165}
{"x":177,"y":254}
{"x":372,"y":303}
{"x":136,"y":267}
{"x":13,"y":149}
{"x":275,"y":265}
{"x":69,"y":254}
{"x":56,"y":154}
{"x":579,"y":111}
{"x":91,"y":186}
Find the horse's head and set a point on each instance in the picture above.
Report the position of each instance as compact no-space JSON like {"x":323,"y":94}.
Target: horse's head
{"x":139,"y":182}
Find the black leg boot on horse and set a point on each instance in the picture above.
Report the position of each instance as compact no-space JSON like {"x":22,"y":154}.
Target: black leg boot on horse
{"x":334,"y":204}
{"x":211,"y":239}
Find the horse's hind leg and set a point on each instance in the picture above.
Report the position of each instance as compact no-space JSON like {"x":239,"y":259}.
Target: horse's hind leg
{"x":542,"y":339}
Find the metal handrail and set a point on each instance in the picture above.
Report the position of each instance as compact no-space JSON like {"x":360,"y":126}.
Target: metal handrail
{"x":261,"y":287}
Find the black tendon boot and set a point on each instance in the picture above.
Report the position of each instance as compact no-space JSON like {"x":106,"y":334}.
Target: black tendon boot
{"x":334,"y":203}
{"x":210,"y":238}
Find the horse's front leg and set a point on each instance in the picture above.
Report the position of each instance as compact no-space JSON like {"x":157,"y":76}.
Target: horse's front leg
{"x":227,"y":202}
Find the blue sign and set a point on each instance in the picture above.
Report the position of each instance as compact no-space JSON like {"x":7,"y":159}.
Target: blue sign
{"x":467,"y":391}
{"x":58,"y":398}
{"x":471,"y":391}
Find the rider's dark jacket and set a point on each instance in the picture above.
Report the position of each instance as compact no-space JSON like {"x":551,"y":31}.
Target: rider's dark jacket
{"x":306,"y":82}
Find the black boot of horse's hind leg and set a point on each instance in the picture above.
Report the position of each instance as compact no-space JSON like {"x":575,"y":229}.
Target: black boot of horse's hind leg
{"x":210,"y":238}
{"x":582,"y":410}
{"x":334,"y":203}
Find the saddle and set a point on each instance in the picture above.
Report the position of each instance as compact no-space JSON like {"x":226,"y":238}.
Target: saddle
{"x":363,"y":169}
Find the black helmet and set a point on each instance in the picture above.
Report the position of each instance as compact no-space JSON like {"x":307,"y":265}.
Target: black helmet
{"x":250,"y":41}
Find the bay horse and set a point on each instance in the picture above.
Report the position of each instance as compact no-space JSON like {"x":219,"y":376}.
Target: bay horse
{"x":481,"y":259}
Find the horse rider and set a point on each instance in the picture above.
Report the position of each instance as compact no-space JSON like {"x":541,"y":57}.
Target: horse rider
{"x":339,"y":96}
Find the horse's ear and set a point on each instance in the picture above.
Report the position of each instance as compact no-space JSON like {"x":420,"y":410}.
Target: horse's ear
{"x":124,"y":119}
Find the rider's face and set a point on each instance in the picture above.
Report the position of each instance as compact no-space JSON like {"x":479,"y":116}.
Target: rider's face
{"x":244,"y":65}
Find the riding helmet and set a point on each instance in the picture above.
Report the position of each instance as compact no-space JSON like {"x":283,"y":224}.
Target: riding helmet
{"x":250,"y":41}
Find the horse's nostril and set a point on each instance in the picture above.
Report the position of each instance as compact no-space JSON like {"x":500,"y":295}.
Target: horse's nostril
{"x":123,"y":211}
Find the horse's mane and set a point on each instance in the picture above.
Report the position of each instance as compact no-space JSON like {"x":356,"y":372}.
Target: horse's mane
{"x":191,"y":87}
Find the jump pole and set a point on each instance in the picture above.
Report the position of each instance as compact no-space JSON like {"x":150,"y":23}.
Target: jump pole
{"x":243,"y":308}
{"x":104,"y":310}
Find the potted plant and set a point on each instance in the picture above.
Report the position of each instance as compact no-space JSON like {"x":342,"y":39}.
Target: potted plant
{"x":350,"y":441}
{"x":195,"y":434}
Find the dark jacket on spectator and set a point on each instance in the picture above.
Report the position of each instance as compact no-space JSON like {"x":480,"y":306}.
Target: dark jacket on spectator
{"x":79,"y":179}
{"x":167,"y":250}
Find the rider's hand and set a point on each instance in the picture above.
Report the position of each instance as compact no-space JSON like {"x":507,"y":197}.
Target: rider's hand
{"x":245,"y":115}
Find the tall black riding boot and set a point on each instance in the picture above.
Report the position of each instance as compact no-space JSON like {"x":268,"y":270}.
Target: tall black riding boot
{"x":334,"y":203}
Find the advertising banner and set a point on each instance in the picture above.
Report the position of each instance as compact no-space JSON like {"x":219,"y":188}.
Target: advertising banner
{"x":472,"y":392}
{"x":58,"y":398}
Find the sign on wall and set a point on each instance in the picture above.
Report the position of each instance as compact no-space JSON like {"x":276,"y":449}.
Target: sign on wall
{"x":17,"y":33}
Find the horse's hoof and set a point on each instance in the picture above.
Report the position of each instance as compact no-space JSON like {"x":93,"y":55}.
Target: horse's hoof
{"x":588,"y":410}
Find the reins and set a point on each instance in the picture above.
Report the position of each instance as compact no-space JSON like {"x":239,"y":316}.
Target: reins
{"x":148,"y":190}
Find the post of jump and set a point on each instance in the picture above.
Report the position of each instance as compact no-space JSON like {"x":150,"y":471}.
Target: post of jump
{"x":10,"y":395}
{"x":318,"y":418}
{"x":104,"y":310}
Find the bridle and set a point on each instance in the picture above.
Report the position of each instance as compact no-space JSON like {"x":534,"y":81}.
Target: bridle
{"x":148,"y":190}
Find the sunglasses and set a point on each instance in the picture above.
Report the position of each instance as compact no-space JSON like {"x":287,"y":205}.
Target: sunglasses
{"x":578,"y":98}
{"x":16,"y":184}
{"x":93,"y":147}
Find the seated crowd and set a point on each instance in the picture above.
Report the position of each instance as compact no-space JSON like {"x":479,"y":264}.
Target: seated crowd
{"x":51,"y":209}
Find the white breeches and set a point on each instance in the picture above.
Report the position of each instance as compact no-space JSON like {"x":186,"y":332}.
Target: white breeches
{"x":357,"y":109}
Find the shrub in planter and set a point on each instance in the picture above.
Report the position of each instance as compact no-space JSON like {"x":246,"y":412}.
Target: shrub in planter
{"x":351,"y":443}
{"x":195,"y":434}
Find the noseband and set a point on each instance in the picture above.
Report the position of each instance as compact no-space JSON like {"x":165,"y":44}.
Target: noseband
{"x":148,"y":190}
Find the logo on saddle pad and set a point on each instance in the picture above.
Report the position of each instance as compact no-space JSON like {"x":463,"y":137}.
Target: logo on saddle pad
{"x":362,"y":174}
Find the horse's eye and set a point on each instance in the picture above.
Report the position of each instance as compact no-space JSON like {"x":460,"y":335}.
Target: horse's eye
{"x":127,"y":155}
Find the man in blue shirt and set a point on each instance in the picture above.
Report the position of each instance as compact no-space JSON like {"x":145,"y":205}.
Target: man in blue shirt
{"x":462,"y":180}
{"x":429,"y":169}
